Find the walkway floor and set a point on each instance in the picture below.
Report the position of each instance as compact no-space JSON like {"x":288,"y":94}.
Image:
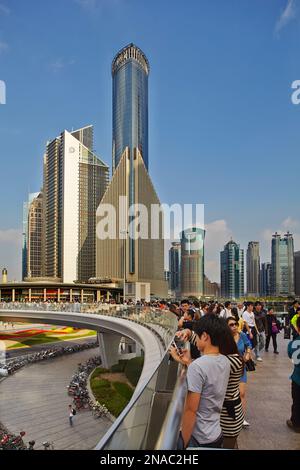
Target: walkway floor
{"x":269,"y":403}
{"x":35,"y":400}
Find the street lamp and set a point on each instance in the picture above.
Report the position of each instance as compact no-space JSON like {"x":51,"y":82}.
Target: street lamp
{"x":124,"y":232}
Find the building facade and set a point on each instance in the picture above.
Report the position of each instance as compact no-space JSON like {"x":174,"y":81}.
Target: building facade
{"x":297,"y":272}
{"x":253,"y":269}
{"x":32,"y":262}
{"x":121,"y":256}
{"x":130,"y":71}
{"x":174,"y":268}
{"x":192,"y":262}
{"x":265,"y":279}
{"x":75,"y":180}
{"x":282,"y":280}
{"x":232,"y":271}
{"x":211,"y":289}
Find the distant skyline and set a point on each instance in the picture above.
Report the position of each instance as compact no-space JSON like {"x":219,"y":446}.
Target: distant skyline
{"x":222,"y":128}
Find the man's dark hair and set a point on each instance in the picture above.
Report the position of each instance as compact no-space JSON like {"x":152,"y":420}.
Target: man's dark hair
{"x":196,"y":303}
{"x":191,"y":313}
{"x":227,"y":303}
{"x":258,"y":303}
{"x":248,"y":304}
{"x":204,"y":304}
{"x":219,"y":333}
{"x":184,"y":301}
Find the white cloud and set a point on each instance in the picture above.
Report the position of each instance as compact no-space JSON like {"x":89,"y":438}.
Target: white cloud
{"x":288,"y":14}
{"x":60,"y":64}
{"x":217,"y":235}
{"x":4,"y":9}
{"x":11,"y":252}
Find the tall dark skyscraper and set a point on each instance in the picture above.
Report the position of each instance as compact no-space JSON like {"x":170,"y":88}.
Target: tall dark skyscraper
{"x":130,"y":70}
{"x":283,"y":281}
{"x":253,"y":268}
{"x":232,"y":271}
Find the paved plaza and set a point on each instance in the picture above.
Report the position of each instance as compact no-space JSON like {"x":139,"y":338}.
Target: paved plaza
{"x":35,"y":400}
{"x":269,"y":403}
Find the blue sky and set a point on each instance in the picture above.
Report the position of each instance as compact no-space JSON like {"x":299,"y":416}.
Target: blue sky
{"x":223,"y":130}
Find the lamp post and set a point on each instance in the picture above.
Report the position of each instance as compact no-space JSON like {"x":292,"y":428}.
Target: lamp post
{"x":124,"y":232}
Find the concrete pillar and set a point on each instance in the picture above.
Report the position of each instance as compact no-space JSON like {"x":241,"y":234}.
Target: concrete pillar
{"x":81,"y":296}
{"x":0,"y":296}
{"x":107,"y":296}
{"x":13,"y":295}
{"x":45,"y":295}
{"x":109,"y":348}
{"x":98,"y":295}
{"x":58,"y":295}
{"x":71,"y":295}
{"x":138,"y":349}
{"x":29,"y":295}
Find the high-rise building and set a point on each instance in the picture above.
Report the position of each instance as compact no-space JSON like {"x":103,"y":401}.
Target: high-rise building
{"x":75,"y":180}
{"x":129,"y":258}
{"x":265,"y":279}
{"x":283,"y":281}
{"x":130,"y":71}
{"x":32,"y":236}
{"x":174,"y":267}
{"x":253,"y":269}
{"x":121,"y":257}
{"x":297,"y":273}
{"x":192,"y":262}
{"x":211,"y":289}
{"x":232,"y":271}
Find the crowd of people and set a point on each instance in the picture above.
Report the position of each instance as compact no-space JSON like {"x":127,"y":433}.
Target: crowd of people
{"x":224,"y":343}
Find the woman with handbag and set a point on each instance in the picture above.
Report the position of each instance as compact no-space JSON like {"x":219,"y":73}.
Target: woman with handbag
{"x":273,"y":330}
{"x":244,"y":348}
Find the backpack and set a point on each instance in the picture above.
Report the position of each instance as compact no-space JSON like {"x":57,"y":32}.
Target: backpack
{"x":74,"y":411}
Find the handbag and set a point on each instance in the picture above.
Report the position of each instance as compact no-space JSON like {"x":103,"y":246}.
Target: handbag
{"x":274,"y":329}
{"x":250,"y":366}
{"x":287,"y":332}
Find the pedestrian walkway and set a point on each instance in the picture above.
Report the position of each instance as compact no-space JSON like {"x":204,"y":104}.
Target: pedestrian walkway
{"x":269,"y":403}
{"x":35,"y":400}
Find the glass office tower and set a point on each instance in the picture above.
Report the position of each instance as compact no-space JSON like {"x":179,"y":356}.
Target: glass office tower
{"x":232,"y":271}
{"x":130,"y":70}
{"x":192,"y":262}
{"x":283,"y":282}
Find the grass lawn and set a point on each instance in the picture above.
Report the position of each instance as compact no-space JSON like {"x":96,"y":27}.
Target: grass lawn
{"x":115,"y":395}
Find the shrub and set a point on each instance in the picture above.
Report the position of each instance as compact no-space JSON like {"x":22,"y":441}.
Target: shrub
{"x":133,"y":369}
{"x":98,"y":371}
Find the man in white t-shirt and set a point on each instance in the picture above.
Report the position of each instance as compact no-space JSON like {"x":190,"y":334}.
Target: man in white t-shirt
{"x":226,"y":313}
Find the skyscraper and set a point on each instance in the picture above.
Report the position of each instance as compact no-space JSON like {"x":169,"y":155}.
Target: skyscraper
{"x":129,"y":258}
{"x":232,"y":271}
{"x":192,"y":262}
{"x":75,"y":180}
{"x":283,"y":281}
{"x":114,"y":252}
{"x":265,"y":279}
{"x":174,"y":267}
{"x":297,"y":273}
{"x":253,"y":268}
{"x":130,"y":70}
{"x":32,"y":236}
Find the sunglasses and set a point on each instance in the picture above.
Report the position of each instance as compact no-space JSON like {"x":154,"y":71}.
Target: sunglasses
{"x":232,"y":324}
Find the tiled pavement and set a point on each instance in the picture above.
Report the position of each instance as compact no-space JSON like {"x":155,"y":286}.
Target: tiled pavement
{"x":269,"y":403}
{"x":35,"y":400}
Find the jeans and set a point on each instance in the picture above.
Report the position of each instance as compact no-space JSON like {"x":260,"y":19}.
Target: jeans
{"x":260,"y":343}
{"x":194,"y":443}
{"x":274,"y":339}
{"x":295,"y":418}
